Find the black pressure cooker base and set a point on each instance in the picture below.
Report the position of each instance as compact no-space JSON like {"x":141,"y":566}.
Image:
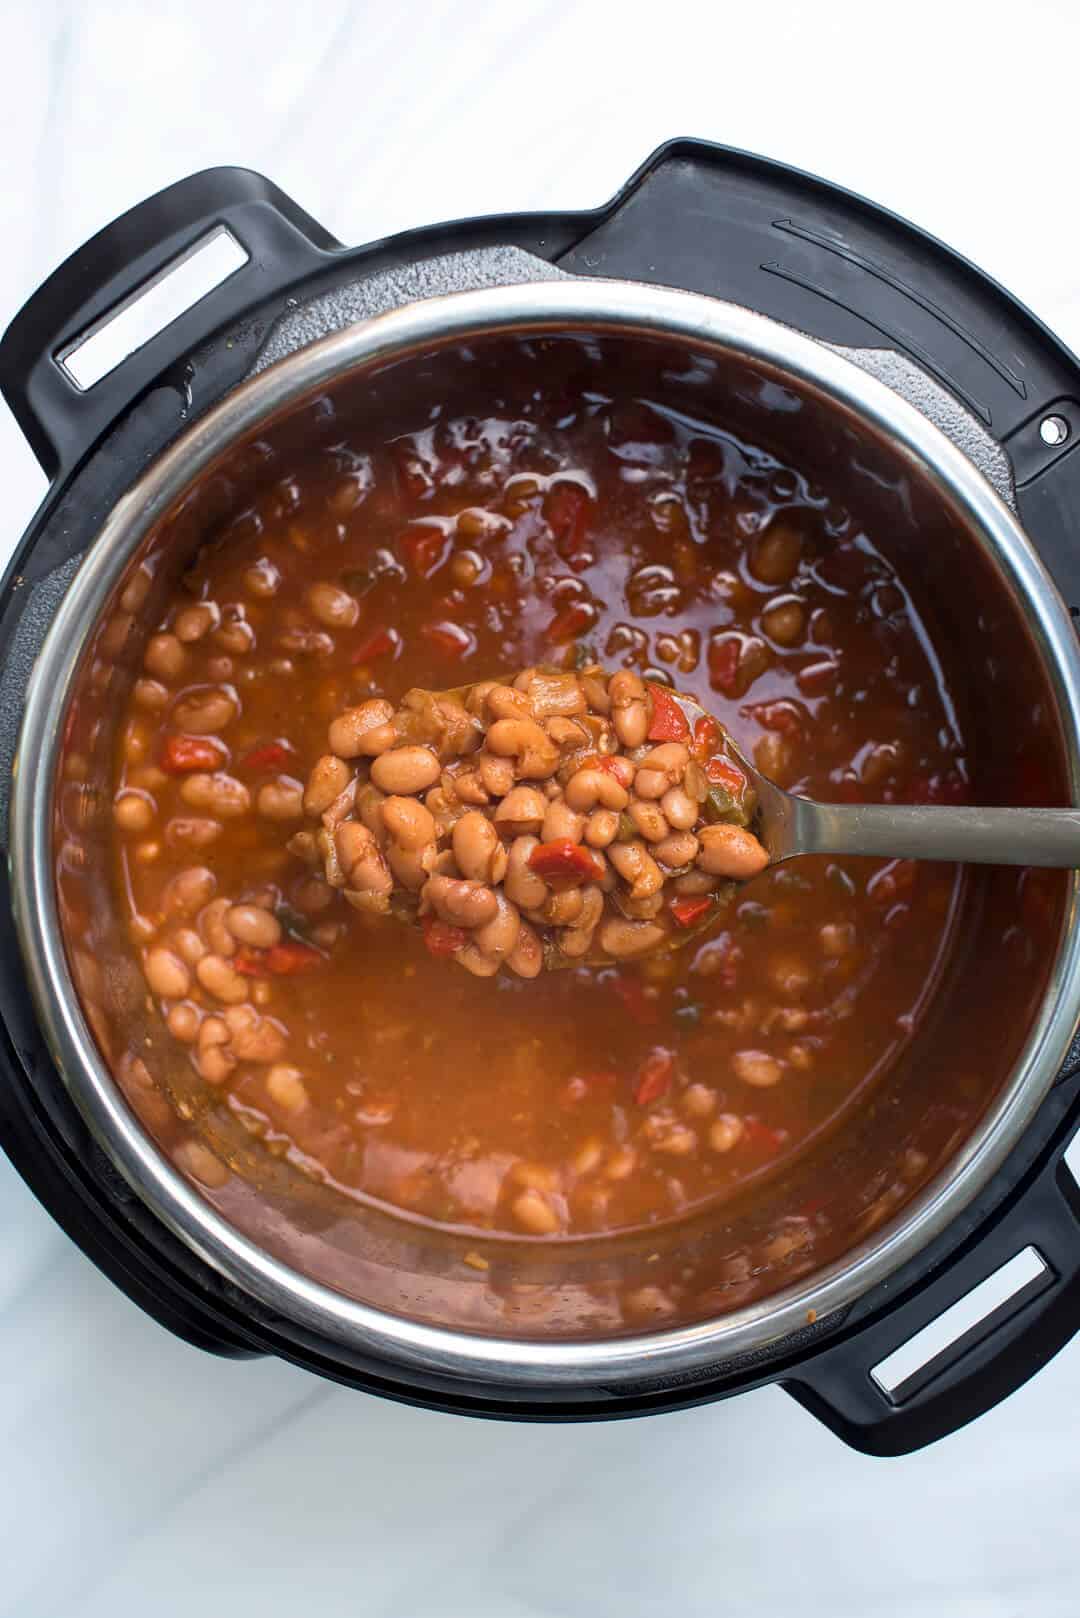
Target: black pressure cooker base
{"x":697,"y":216}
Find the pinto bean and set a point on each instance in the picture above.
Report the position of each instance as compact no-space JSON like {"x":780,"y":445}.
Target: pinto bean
{"x":280,"y":799}
{"x":623,"y":939}
{"x":219,"y":793}
{"x":731,"y":851}
{"x":523,"y":810}
{"x":364,"y":731}
{"x":521,"y":884}
{"x":328,"y":779}
{"x":183,"y":1022}
{"x":526,"y":959}
{"x":253,"y":925}
{"x":461,"y":903}
{"x":679,"y":808}
{"x":164,"y":658}
{"x":649,"y":820}
{"x":496,"y":774}
{"x":253,"y":1037}
{"x":525,"y":741}
{"x":134,"y":812}
{"x":535,"y":1213}
{"x":601,"y":828}
{"x":166,"y":974}
{"x":561,"y":821}
{"x":630,"y":715}
{"x":552,"y":695}
{"x":637,"y":867}
{"x":406,"y":769}
{"x":411,"y":867}
{"x":563,"y":909}
{"x":221,"y":980}
{"x":474,"y":960}
{"x":670,"y":757}
{"x":589,"y":787}
{"x":497,"y":938}
{"x":206,"y":710}
{"x":408,"y":822}
{"x":479,"y":853}
{"x":331,"y":606}
{"x":362,"y":864}
{"x":286,"y":1088}
{"x":726,"y":1131}
{"x":192,"y":623}
{"x":192,"y":831}
{"x":678,"y":848}
{"x":757,"y":1068}
{"x":188,"y":891}
{"x":504,"y":702}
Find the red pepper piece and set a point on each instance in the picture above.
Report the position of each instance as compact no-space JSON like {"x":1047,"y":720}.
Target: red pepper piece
{"x":689,"y":910}
{"x":250,"y":963}
{"x":761,"y":1137}
{"x":441,"y":938}
{"x":723,"y":773}
{"x":288,"y":959}
{"x":706,"y":738}
{"x":274,"y":756}
{"x":564,"y":860}
{"x":380,"y":643}
{"x":423,"y":548}
{"x":573,"y":621}
{"x":668,"y":723}
{"x":567,"y":513}
{"x":642,"y":1008}
{"x":449,"y":639}
{"x":291,"y":958}
{"x":783,"y":715}
{"x":724,"y":666}
{"x":182,"y":753}
{"x":654,"y":1076}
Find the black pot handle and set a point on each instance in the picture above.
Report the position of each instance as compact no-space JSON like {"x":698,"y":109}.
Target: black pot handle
{"x":990,"y":1360}
{"x":62,"y":421}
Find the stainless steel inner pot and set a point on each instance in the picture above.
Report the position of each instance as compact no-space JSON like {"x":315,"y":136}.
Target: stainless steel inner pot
{"x":594,"y":1312}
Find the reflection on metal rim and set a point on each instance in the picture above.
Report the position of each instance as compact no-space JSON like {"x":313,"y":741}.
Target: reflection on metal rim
{"x":617,"y":307}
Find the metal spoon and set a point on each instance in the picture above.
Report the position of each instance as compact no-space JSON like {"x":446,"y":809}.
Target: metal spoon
{"x":788,"y":825}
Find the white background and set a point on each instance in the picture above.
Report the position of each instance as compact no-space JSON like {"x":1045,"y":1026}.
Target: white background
{"x":139,"y":1475}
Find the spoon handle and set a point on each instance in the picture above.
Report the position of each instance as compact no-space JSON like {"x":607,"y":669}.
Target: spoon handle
{"x":933,"y":832}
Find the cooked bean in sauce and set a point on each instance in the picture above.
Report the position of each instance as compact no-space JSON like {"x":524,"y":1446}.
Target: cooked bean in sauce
{"x":573,"y":535}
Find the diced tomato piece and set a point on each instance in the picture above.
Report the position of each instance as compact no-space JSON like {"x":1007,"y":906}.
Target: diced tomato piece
{"x":448,"y":638}
{"x":423,"y":549}
{"x":380,"y":643}
{"x":723,"y":773}
{"x":784,"y":716}
{"x":706,"y":738}
{"x":290,"y":958}
{"x":563,"y":860}
{"x":724,"y":666}
{"x":668,"y":723}
{"x":689,"y":910}
{"x":250,"y":963}
{"x":573,"y":621}
{"x":182,"y":753}
{"x":654,"y":1076}
{"x":761,"y":1137}
{"x":611,"y":764}
{"x":274,"y":756}
{"x":643,"y":1008}
{"x":443,"y":939}
{"x":567,"y":511}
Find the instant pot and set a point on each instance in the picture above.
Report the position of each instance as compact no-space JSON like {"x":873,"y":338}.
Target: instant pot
{"x":891,"y":353}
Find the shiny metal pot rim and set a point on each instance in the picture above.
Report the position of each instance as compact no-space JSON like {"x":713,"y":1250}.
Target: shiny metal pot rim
{"x":598,"y":306}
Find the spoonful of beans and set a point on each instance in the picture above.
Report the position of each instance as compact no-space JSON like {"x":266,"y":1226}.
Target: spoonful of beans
{"x":556,"y":818}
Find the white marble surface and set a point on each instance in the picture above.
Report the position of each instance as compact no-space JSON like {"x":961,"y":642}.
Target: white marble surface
{"x":141,"y":1475}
